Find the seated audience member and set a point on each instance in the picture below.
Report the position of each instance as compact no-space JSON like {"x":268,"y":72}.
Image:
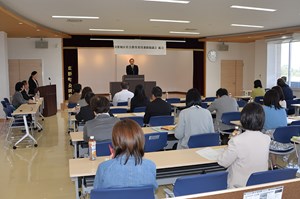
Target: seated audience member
{"x":85,"y":114}
{"x":258,"y":89}
{"x":275,"y":115}
{"x":73,"y":99}
{"x":282,"y":101}
{"x":193,"y":120}
{"x":101,"y":126}
{"x":82,"y":102}
{"x":17,"y":99}
{"x":287,"y":91}
{"x":25,"y":90}
{"x":139,"y":99}
{"x":127,"y":168}
{"x":124,"y":95}
{"x":157,"y":107}
{"x":221,"y":105}
{"x":247,"y":152}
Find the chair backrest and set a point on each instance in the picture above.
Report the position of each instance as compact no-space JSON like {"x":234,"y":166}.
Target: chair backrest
{"x":291,"y":109}
{"x":4,"y":104}
{"x":72,"y":105}
{"x":6,"y":100}
{"x":102,"y":148}
{"x":284,"y":134}
{"x":173,"y":100}
{"x":155,"y":141}
{"x":139,"y":109}
{"x":117,"y":193}
{"x":204,"y":105}
{"x":200,"y":183}
{"x":122,"y":104}
{"x":271,"y":176}
{"x":259,"y":99}
{"x":230,"y":116}
{"x":209,"y":99}
{"x":118,"y":110}
{"x":297,"y":122}
{"x":161,"y":120}
{"x":138,"y":119}
{"x":204,"y":140}
{"x":241,"y":103}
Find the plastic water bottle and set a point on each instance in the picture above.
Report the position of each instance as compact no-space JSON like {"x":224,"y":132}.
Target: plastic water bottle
{"x":92,"y":148}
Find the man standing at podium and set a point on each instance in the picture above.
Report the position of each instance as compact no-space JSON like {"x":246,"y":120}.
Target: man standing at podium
{"x":132,"y":69}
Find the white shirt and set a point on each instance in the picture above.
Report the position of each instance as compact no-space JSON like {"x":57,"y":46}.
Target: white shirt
{"x":122,"y":96}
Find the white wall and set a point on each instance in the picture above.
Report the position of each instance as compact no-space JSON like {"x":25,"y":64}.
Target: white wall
{"x":237,"y":51}
{"x":99,"y":66}
{"x":52,"y":63}
{"x":4,"y":83}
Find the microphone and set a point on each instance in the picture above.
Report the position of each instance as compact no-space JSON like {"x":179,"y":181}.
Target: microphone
{"x":49,"y":80}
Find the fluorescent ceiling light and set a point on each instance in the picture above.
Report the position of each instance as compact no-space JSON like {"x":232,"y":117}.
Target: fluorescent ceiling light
{"x":168,"y":20}
{"x":176,"y":41}
{"x":248,"y":26}
{"x":169,"y":1}
{"x":253,"y":8}
{"x":100,"y":39}
{"x":108,"y":30}
{"x":188,"y":33}
{"x":75,"y":17}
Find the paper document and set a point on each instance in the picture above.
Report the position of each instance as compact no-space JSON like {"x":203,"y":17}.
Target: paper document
{"x":210,"y":153}
{"x":274,"y":193}
{"x":141,"y":114}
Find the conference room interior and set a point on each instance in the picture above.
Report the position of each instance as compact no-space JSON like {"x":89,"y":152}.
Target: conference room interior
{"x":43,"y":171}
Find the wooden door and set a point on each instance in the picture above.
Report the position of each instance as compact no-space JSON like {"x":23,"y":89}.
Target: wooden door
{"x":232,"y":76}
{"x":20,"y":69}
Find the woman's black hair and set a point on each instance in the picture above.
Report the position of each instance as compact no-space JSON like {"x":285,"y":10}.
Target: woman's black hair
{"x":280,"y":92}
{"x":193,"y":97}
{"x":271,"y":98}
{"x":257,"y":84}
{"x":253,"y":117}
{"x":139,"y":93}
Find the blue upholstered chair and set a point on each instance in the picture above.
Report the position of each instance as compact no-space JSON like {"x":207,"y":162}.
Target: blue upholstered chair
{"x":204,"y":140}
{"x":209,"y":99}
{"x":118,"y":110}
{"x":102,"y":148}
{"x":241,"y":103}
{"x":138,"y":119}
{"x":161,"y":120}
{"x":122,"y":104}
{"x":139,"y":109}
{"x":72,"y":105}
{"x":173,"y":100}
{"x":259,"y":99}
{"x":117,"y":193}
{"x":230,"y":116}
{"x":155,"y":141}
{"x":200,"y":183}
{"x":271,"y":176}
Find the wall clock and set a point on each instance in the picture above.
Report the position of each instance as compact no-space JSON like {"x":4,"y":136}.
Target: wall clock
{"x":212,"y":55}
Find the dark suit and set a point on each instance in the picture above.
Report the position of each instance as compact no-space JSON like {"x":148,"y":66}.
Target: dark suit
{"x":85,"y":114}
{"x":32,"y":86}
{"x":25,"y":95}
{"x":157,"y":107}
{"x":132,"y":71}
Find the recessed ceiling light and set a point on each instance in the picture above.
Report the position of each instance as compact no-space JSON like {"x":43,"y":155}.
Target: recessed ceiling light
{"x":38,"y":30}
{"x":20,"y":23}
{"x":75,"y":17}
{"x":247,"y":26}
{"x":169,"y":21}
{"x":188,"y":33}
{"x":169,"y":1}
{"x":253,"y":8}
{"x":111,"y":30}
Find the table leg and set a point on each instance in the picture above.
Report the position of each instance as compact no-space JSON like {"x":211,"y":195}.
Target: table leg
{"x":27,"y":134}
{"x":75,"y":149}
{"x":77,"y":188}
{"x":297,"y":111}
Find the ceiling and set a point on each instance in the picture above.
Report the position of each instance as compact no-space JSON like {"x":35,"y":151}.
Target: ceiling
{"x":211,"y":18}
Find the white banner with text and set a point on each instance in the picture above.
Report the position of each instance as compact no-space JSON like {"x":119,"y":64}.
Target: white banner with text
{"x":140,"y":47}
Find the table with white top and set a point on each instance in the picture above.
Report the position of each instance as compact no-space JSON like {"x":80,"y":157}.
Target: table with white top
{"x":169,"y":164}
{"x":29,"y":109}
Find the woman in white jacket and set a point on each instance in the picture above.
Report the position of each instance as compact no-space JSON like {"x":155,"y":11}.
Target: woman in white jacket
{"x":247,"y":152}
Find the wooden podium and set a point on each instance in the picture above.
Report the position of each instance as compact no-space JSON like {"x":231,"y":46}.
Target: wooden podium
{"x":132,"y":80}
{"x":49,"y":94}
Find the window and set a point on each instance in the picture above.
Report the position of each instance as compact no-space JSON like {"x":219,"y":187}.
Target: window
{"x":289,"y":63}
